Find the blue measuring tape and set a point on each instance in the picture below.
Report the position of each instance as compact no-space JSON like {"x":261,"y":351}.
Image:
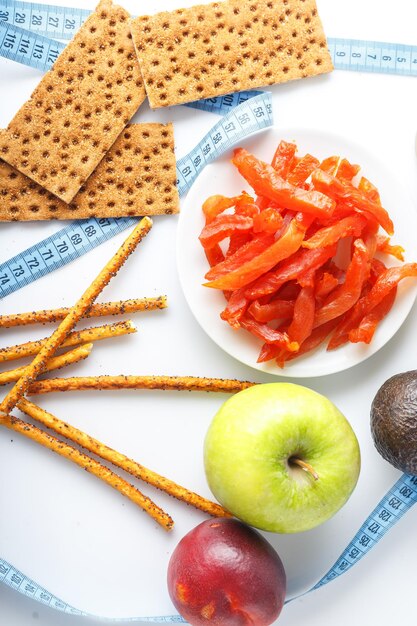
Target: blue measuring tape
{"x":393,"y":506}
{"x":81,"y":236}
{"x":62,"y":23}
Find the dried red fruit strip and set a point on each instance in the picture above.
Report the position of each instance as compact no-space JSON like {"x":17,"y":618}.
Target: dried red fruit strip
{"x":368,"y":325}
{"x":347,"y":294}
{"x":266,"y":182}
{"x":222,"y":227}
{"x":214,"y":205}
{"x":383,"y":245}
{"x":350,"y":195}
{"x":283,"y":158}
{"x":345,"y":227}
{"x":241,"y":256}
{"x":274,"y":310}
{"x":273,"y":254}
{"x":290,"y":270}
{"x":236,"y":307}
{"x":304,"y":168}
{"x":383,"y":285}
{"x":268,"y":334}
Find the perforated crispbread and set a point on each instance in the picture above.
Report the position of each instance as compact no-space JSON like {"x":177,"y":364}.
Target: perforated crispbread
{"x":80,"y":106}
{"x":223,"y":47}
{"x":136,"y":177}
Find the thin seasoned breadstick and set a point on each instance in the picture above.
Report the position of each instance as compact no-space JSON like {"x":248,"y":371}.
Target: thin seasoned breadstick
{"x":38,"y":364}
{"x":63,"y":360}
{"x":90,"y":465}
{"x":120,"y":460}
{"x":96,"y":333}
{"x":175,"y":383}
{"x":97,"y":310}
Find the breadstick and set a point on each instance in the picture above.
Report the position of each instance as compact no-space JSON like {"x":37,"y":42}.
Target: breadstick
{"x":120,"y":460}
{"x":96,"y":333}
{"x":38,"y":364}
{"x":90,"y":465}
{"x":63,"y":360}
{"x":97,"y":310}
{"x":175,"y":383}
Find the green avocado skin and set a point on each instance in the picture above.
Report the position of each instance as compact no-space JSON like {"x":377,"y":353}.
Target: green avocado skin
{"x":394,"y":421}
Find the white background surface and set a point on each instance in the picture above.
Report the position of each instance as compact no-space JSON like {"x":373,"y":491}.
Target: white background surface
{"x":87,"y":544}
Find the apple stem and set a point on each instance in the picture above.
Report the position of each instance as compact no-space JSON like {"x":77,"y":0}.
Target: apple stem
{"x":305,"y":466}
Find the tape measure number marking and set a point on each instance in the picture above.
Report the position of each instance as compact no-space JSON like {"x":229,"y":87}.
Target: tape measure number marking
{"x":373,"y":56}
{"x":27,"y":48}
{"x":252,"y":115}
{"x":57,"y":250}
{"x":44,"y":19}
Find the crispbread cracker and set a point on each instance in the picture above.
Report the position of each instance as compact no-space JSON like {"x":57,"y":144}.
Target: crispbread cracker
{"x":80,"y":106}
{"x":136,"y":177}
{"x":214,"y":49}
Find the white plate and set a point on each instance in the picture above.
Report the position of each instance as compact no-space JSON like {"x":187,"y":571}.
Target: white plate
{"x":206,"y":304}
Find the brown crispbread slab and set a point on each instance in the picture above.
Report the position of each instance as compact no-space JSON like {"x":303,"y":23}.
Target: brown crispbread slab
{"x":214,"y":49}
{"x":80,"y":106}
{"x":136,"y":177}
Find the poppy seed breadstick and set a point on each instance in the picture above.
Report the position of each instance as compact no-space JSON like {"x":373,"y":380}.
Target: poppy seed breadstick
{"x":97,"y":310}
{"x":38,"y":365}
{"x":167,"y":383}
{"x":120,"y":460}
{"x":90,"y":465}
{"x":57,"y":362}
{"x":76,"y":338}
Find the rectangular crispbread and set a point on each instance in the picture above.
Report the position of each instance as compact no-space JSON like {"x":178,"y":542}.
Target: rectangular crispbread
{"x":136,"y":177}
{"x":80,"y":106}
{"x":214,"y":49}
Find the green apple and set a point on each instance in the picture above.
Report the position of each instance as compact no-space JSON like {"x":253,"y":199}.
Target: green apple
{"x":281,"y":457}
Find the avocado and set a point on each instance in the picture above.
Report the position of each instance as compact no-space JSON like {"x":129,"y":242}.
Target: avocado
{"x":394,"y":421}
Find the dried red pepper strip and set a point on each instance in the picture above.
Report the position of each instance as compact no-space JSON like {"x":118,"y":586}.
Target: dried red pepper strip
{"x":347,"y":294}
{"x":346,"y":227}
{"x":214,"y":205}
{"x":383,"y":245}
{"x":368,"y":325}
{"x":269,"y":221}
{"x":383,"y":285}
{"x":269,"y":352}
{"x":302,"y":321}
{"x":266,"y":182}
{"x":369,"y":190}
{"x":276,"y":252}
{"x":325,"y":284}
{"x":268,"y":334}
{"x":236,"y":307}
{"x":346,"y":170}
{"x":243,"y":255}
{"x":274,"y":310}
{"x":222,"y":227}
{"x":246,"y":207}
{"x":214,"y":255}
{"x":312,"y":342}
{"x":304,"y":168}
{"x":290,"y":270}
{"x":330,"y":164}
{"x":350,"y":195}
{"x":283,"y":158}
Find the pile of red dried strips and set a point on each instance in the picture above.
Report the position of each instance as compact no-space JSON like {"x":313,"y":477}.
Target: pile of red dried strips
{"x":281,"y":274}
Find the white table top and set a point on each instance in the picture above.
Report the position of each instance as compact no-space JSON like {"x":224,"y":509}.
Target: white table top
{"x":90,"y":547}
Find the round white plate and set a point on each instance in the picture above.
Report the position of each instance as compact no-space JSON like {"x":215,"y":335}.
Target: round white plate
{"x":206,"y":304}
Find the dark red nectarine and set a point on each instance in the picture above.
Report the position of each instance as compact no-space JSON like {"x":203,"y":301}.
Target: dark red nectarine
{"x":225,"y":573}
